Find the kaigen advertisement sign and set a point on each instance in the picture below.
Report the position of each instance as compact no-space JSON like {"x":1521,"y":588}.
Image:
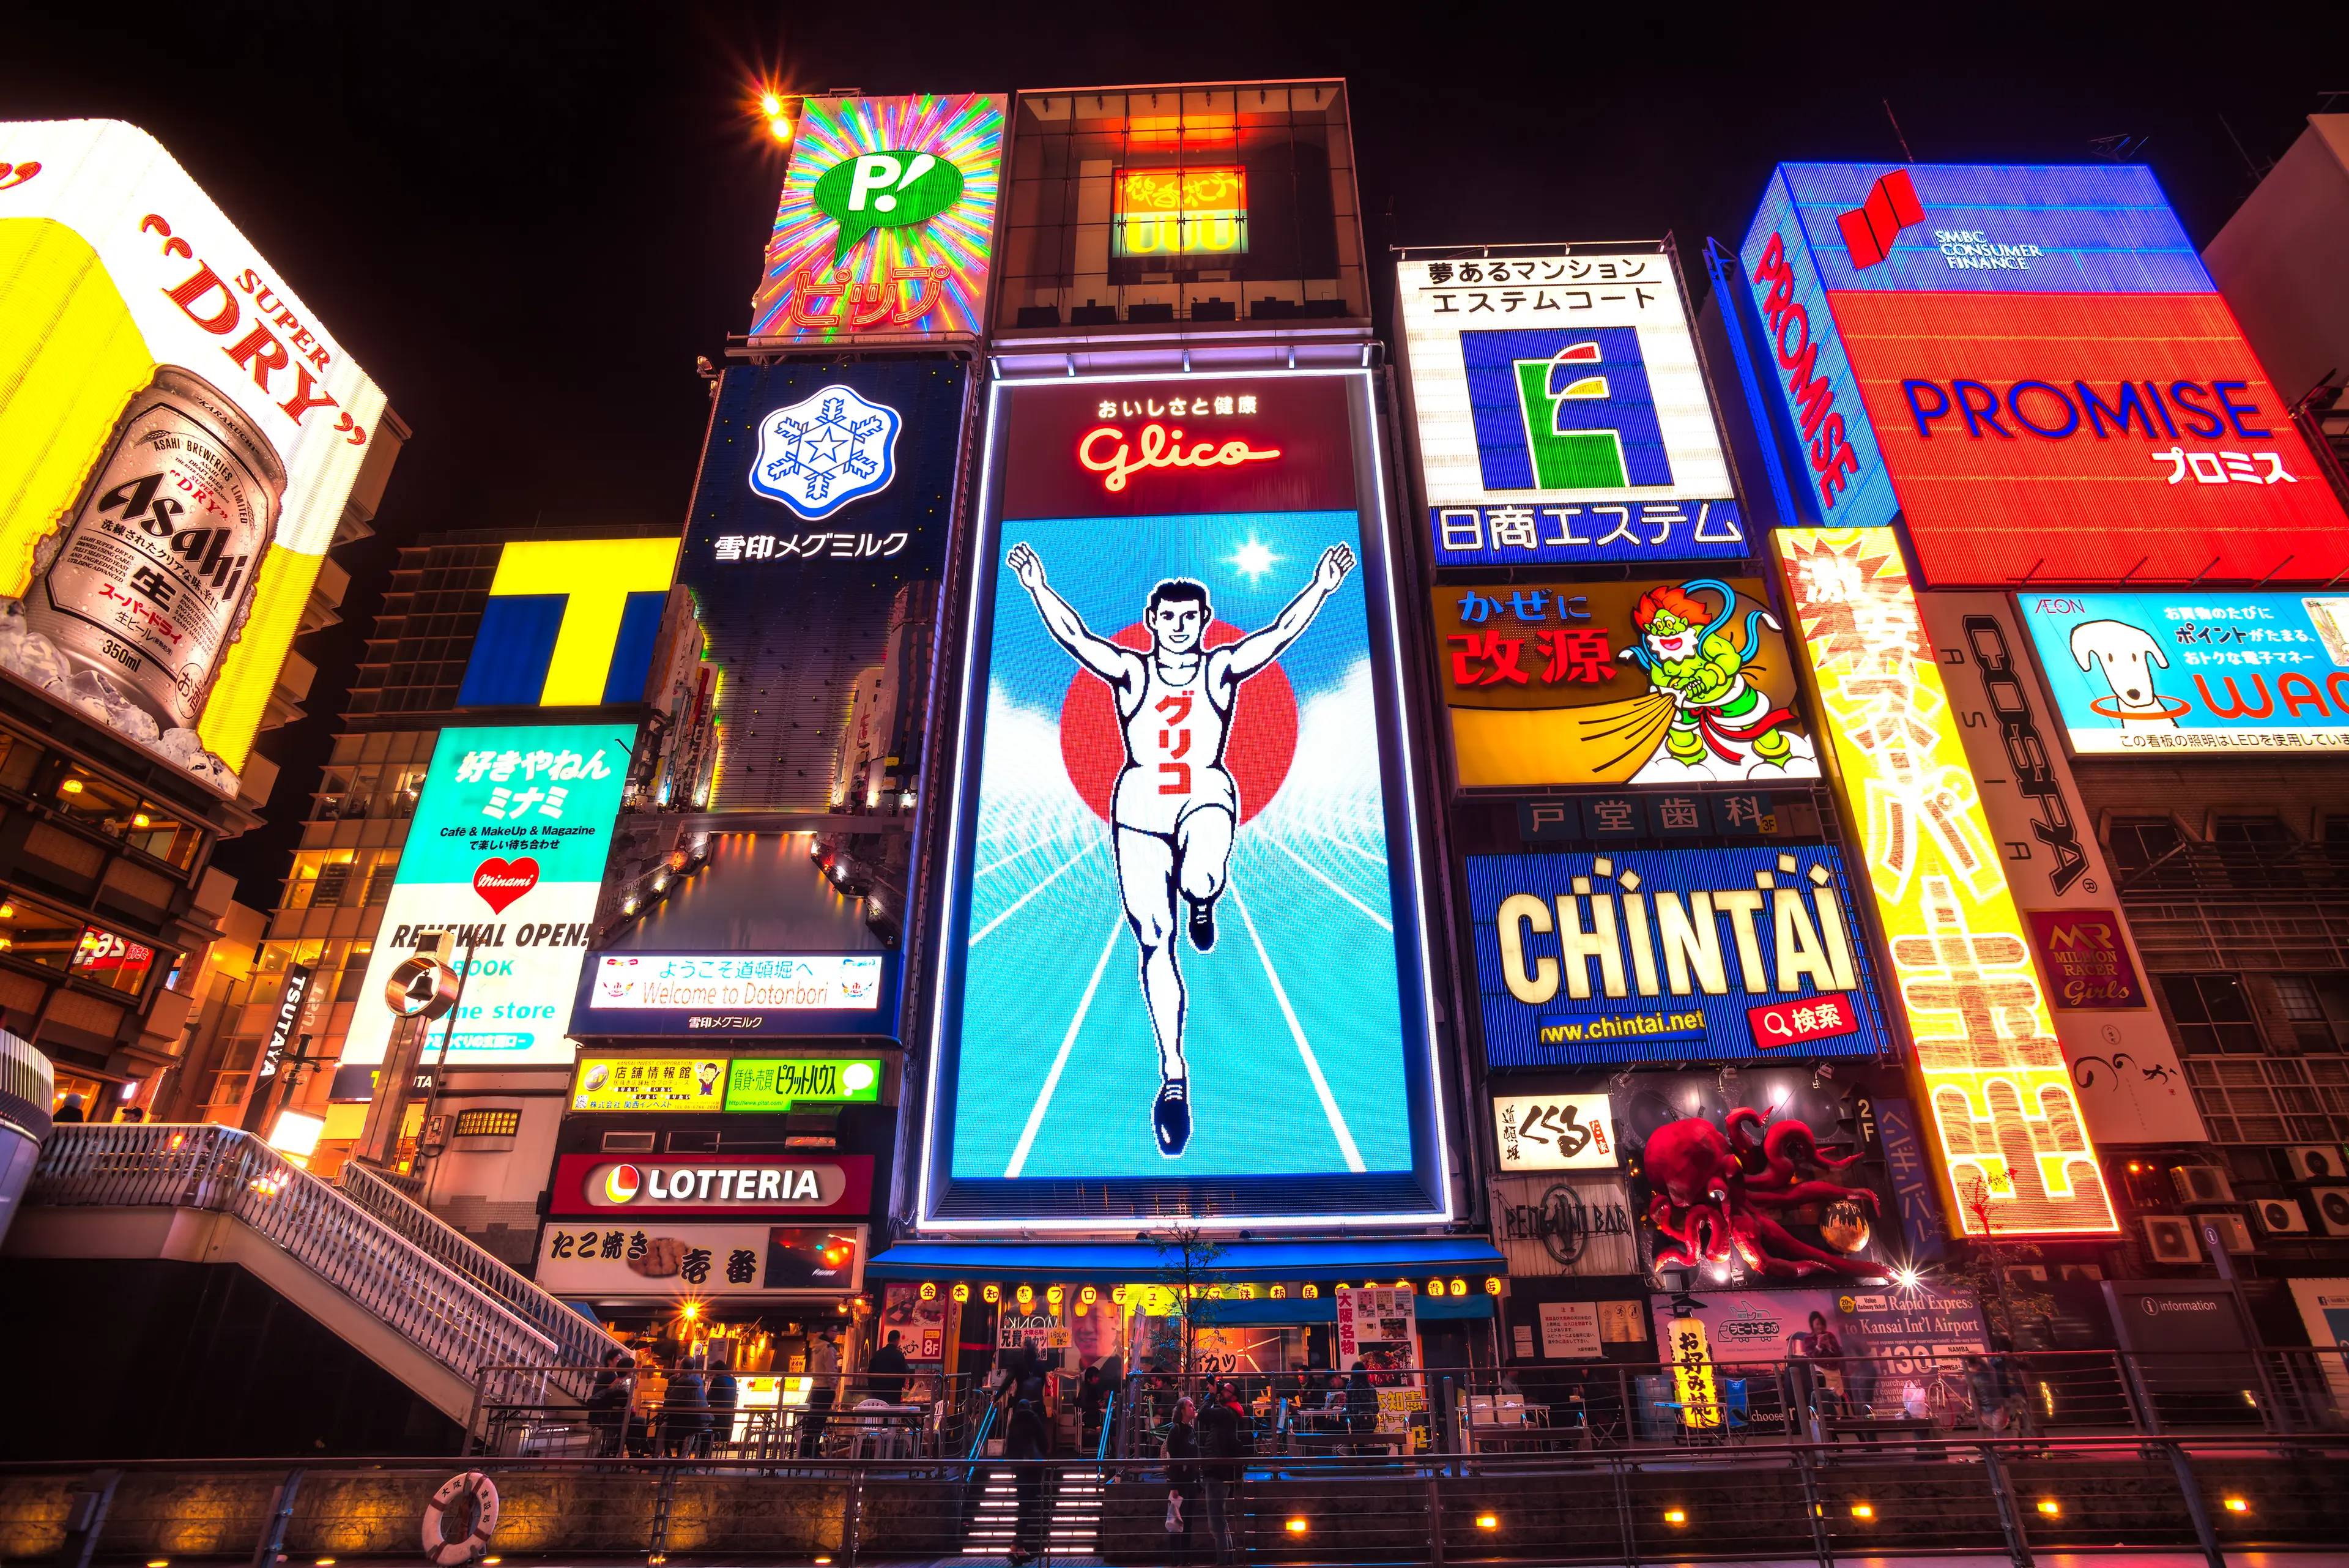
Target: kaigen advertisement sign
{"x":885,"y":220}
{"x":2193,"y":670}
{"x":1680,"y":681}
{"x":1182,"y":956}
{"x":2124,"y":1068}
{"x":1671,"y":955}
{"x":177,"y":436}
{"x":2031,"y":366}
{"x":507,"y":851}
{"x":1561,"y":410}
{"x":770,"y":1084}
{"x":1555,"y":1132}
{"x":2003,"y":1111}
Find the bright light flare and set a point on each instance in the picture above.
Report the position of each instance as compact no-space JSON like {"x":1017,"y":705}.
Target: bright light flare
{"x":769,"y":105}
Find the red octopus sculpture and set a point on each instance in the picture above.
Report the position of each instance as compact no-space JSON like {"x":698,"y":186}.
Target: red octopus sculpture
{"x":1709,"y":1186}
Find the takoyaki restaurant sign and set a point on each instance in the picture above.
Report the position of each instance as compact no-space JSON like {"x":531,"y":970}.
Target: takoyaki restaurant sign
{"x":589,"y":1184}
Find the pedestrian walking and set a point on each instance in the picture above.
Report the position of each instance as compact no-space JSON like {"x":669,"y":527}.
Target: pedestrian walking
{"x":1222,"y":1446}
{"x":824,"y":1388}
{"x":1021,"y":1403}
{"x":885,"y":1374}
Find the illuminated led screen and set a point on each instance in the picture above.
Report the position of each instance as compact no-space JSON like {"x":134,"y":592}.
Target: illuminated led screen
{"x":1562,"y":411}
{"x":506,"y":850}
{"x":2007,"y":1120}
{"x":1182,"y":956}
{"x":885,"y":220}
{"x":636,"y":992}
{"x":2196,"y":671}
{"x":1178,"y":213}
{"x":1686,"y":681}
{"x":2031,"y":368}
{"x":115,"y":268}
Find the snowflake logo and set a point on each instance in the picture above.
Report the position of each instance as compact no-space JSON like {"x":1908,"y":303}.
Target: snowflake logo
{"x":817,"y":456}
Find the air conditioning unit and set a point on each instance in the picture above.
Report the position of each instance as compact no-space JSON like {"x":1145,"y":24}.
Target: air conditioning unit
{"x":2316,"y":1162}
{"x":2233,"y":1233}
{"x":2331,"y":1207}
{"x":2201,"y":1184}
{"x":2171,"y":1239}
{"x":2280,"y":1216}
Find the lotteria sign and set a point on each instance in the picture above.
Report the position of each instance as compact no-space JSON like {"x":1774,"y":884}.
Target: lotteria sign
{"x":704,"y":1183}
{"x":2030,"y":366}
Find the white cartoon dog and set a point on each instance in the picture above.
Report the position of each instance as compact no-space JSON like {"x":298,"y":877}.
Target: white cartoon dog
{"x":2127,"y":654}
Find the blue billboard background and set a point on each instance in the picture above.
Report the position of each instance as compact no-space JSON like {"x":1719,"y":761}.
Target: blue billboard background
{"x":1795,"y":921}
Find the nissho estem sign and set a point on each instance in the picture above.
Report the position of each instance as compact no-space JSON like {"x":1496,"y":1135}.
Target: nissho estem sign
{"x":1562,"y":411}
{"x":1671,"y":955}
{"x":506,"y":851}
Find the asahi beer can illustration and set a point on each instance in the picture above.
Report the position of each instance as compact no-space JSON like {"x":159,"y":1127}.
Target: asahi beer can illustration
{"x":150,"y":579}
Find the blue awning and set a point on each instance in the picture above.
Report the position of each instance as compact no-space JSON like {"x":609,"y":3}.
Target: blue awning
{"x":1355,"y":1259}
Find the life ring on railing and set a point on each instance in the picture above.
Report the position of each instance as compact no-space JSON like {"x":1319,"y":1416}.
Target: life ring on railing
{"x":468,"y":1503}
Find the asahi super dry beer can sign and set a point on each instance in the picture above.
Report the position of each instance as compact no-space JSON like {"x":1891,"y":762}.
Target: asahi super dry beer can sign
{"x":151,"y":578}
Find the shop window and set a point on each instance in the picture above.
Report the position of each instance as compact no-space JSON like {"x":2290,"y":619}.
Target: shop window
{"x":111,"y":961}
{"x":159,"y":831}
{"x":37,"y":933}
{"x":2318,"y":1006}
{"x":95,"y":801}
{"x":19,"y":757}
{"x":488,"y":1124}
{"x":326,"y":893}
{"x":2212,"y":1014}
{"x":385,"y":872}
{"x":2140,"y":842}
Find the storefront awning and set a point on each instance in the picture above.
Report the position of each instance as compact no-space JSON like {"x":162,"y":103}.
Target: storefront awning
{"x":1355,"y":1259}
{"x":1324,"y":1309}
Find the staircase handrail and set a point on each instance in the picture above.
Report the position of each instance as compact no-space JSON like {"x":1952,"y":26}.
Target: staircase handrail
{"x":578,"y":1341}
{"x":226,"y":1170}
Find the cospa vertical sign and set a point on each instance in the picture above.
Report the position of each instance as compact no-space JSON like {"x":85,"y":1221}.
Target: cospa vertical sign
{"x":1561,"y":410}
{"x":191,"y":422}
{"x":1183,"y":857}
{"x":507,"y":852}
{"x":2123,"y":1065}
{"x":1997,"y":1087}
{"x":885,"y":222}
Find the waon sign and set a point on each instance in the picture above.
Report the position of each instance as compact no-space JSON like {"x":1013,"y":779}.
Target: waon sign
{"x":2030,"y":368}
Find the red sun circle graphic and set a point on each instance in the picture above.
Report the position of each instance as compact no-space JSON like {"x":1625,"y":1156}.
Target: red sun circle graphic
{"x":1262,"y":744}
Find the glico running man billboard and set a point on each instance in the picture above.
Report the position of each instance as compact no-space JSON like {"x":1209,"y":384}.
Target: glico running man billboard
{"x":178,"y":437}
{"x":2031,"y":367}
{"x":1182,"y":960}
{"x":1561,"y":409}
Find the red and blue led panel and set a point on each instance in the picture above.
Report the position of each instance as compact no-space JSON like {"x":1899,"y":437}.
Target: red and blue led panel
{"x":2032,"y":370}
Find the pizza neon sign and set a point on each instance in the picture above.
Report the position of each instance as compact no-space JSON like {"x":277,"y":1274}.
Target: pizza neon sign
{"x":1158,"y":447}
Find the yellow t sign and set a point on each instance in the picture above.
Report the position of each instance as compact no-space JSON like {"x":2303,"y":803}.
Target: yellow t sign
{"x":598,"y":575}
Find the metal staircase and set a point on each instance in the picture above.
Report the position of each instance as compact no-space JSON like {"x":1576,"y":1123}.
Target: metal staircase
{"x":407,"y":1291}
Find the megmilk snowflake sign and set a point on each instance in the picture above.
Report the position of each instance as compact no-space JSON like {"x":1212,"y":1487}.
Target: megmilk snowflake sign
{"x":818,"y":455}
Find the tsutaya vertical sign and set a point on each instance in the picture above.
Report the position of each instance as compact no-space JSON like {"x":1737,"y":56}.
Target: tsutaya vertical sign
{"x":2124,"y":1066}
{"x":2006,"y":1122}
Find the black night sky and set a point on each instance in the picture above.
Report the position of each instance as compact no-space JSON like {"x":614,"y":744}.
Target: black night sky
{"x":526,"y":222}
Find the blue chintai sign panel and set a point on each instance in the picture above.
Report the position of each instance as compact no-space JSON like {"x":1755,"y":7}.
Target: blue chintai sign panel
{"x":1671,"y":955}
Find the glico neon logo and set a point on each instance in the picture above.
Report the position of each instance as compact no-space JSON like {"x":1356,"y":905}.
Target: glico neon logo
{"x":1161,"y":448}
{"x":1810,"y":394}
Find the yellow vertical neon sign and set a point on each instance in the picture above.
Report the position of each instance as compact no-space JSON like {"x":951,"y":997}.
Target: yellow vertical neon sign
{"x":2012,"y":1146}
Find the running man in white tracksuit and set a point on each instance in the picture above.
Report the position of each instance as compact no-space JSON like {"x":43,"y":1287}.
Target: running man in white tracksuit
{"x":1174,"y":807}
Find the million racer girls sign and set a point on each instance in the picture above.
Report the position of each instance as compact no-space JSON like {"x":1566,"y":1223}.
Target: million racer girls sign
{"x":1185,"y":946}
{"x":507,"y":851}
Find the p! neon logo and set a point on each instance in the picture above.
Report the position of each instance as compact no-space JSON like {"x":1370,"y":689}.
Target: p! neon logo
{"x":622,"y":1183}
{"x":885,"y":191}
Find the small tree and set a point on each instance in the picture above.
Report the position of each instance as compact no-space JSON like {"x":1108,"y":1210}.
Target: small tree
{"x":1186,"y":1268}
{"x":1986,"y":1272}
